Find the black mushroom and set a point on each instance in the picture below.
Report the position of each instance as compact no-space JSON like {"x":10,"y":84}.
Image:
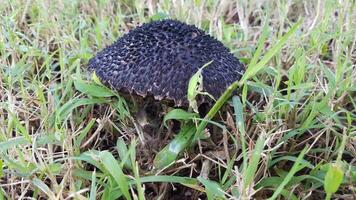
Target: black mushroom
{"x":159,"y":58}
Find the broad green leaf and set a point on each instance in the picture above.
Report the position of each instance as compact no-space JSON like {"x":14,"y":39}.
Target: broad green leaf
{"x":93,"y":90}
{"x":91,"y":157}
{"x":179,"y":114}
{"x":333,"y":178}
{"x":111,"y":165}
{"x":170,"y":152}
{"x":123,"y":153}
{"x":95,"y":78}
{"x":195,"y":87}
{"x":68,"y":107}
{"x":212,"y":189}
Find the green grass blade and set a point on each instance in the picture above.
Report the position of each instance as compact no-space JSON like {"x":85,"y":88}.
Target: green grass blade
{"x":111,"y":165}
{"x":93,"y":186}
{"x":170,"y":152}
{"x":212,"y":189}
{"x":44,"y":188}
{"x":255,"y":157}
{"x":290,"y":175}
{"x":260,"y":43}
{"x":135,"y":168}
{"x":123,"y":153}
{"x":253,"y":70}
{"x":92,"y":89}
{"x":240,"y":122}
{"x":250,"y":72}
{"x":64,"y":111}
{"x":169,"y":179}
{"x":179,"y":114}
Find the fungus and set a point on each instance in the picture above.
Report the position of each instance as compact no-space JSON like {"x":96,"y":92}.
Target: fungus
{"x":158,"y":60}
{"x":160,"y":57}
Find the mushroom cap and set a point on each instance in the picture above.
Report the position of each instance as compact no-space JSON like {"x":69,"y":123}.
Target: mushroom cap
{"x":160,"y":57}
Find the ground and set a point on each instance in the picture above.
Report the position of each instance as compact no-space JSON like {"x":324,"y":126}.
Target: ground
{"x":290,"y":134}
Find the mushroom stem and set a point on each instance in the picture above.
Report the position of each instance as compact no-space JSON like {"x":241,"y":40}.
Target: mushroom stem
{"x":141,"y":117}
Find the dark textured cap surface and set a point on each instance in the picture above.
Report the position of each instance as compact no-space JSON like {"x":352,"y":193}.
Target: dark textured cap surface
{"x":159,"y":58}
